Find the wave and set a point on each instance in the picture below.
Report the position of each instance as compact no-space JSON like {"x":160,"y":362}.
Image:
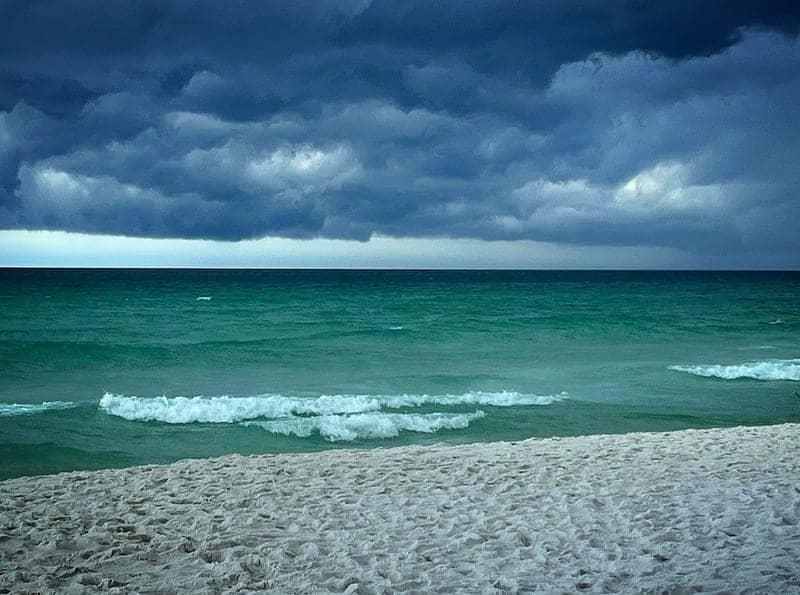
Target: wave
{"x":339,"y":428}
{"x":226,"y":409}
{"x":8,"y":409}
{"x":768,"y":370}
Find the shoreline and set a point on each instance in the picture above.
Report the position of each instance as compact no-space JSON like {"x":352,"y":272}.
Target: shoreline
{"x":710,"y":508}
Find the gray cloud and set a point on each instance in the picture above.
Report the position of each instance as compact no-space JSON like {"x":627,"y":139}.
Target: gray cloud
{"x":600,"y":124}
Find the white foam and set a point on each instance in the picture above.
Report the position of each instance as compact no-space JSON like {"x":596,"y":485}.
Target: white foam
{"x":8,"y":409}
{"x":395,"y":328}
{"x":226,"y":409}
{"x":492,"y":399}
{"x":203,"y":298}
{"x":337,"y":428}
{"x":768,"y":370}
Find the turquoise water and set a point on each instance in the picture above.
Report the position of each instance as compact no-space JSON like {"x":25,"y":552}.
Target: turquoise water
{"x":104,"y":368}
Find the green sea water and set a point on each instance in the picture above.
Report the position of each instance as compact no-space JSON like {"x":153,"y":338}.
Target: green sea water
{"x":107,"y":368}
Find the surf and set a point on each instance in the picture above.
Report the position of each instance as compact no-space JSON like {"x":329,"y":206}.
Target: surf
{"x":230,"y":409}
{"x":11,"y":409}
{"x":360,"y":426}
{"x":764,"y":370}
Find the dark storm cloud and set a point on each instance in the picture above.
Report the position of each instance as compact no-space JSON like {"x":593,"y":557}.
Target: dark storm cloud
{"x":671,"y":124}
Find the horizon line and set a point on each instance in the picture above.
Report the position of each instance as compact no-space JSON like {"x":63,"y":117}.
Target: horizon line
{"x":323,"y":268}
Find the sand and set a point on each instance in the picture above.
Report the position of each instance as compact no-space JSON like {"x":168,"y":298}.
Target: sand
{"x":682,"y":511}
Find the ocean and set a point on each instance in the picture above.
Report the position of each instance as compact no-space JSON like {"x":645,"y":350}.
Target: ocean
{"x":111,"y":368}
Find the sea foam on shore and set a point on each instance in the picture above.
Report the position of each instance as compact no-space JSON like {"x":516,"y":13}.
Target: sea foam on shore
{"x":697,"y":509}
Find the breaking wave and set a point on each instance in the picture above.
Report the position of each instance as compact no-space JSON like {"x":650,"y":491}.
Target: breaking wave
{"x":338,"y":428}
{"x":770,"y":370}
{"x":226,"y":409}
{"x":8,"y":409}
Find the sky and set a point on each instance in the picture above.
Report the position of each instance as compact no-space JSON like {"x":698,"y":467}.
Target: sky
{"x":531,"y":134}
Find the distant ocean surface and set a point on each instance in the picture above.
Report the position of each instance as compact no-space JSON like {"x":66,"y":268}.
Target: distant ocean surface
{"x":108,"y":368}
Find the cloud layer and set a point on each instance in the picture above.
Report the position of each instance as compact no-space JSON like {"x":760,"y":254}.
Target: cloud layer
{"x":608,"y":124}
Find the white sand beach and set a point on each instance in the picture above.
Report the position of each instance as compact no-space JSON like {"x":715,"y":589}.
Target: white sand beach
{"x":683,"y":511}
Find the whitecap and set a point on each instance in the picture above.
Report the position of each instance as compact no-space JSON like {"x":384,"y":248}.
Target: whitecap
{"x":337,"y":428}
{"x":767,"y":370}
{"x":203,"y":298}
{"x":227,"y":409}
{"x":8,"y":409}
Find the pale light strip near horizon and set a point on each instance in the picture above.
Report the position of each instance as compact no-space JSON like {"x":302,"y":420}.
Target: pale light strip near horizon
{"x":20,"y":248}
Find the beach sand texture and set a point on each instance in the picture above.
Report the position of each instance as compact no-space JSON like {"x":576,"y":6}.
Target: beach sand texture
{"x":682,"y":511}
